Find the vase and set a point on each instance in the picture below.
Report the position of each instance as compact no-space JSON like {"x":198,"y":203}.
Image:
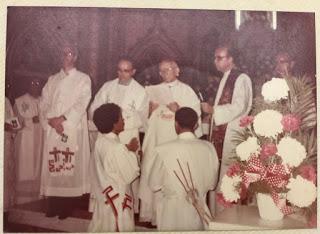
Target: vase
{"x":268,"y":209}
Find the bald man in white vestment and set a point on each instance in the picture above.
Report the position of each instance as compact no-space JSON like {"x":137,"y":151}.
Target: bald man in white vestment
{"x":63,"y":105}
{"x":161,"y":129}
{"x":184,"y":166}
{"x":131,"y":97}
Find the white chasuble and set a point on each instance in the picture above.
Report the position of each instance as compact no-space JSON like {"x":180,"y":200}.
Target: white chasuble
{"x":66,"y":157}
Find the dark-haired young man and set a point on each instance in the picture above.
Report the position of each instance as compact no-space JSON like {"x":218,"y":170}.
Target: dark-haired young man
{"x":178,"y":161}
{"x":116,"y":166}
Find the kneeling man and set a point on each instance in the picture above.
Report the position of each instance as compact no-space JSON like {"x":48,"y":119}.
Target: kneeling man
{"x":184,"y":171}
{"x":116,"y":166}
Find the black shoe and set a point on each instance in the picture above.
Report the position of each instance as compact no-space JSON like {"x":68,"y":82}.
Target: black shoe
{"x":51,"y":214}
{"x":63,"y":216}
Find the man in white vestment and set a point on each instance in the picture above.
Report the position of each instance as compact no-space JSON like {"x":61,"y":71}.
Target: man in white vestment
{"x":28,"y":143}
{"x":115,"y":167}
{"x":161,"y":129}
{"x":184,"y":171}
{"x":131,"y":97}
{"x":233,"y":101}
{"x":66,"y":155}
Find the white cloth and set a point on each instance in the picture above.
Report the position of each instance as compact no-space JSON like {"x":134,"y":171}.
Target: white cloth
{"x":66,"y":175}
{"x":160,"y":130}
{"x":29,"y":139}
{"x":114,"y":169}
{"x":231,"y":114}
{"x":133,"y":101}
{"x":175,"y":213}
{"x":8,"y":162}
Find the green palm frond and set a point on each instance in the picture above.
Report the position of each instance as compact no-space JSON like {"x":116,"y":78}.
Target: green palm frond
{"x":302,"y":101}
{"x":240,"y":136}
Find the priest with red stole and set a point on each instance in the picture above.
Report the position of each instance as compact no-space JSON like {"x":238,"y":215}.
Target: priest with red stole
{"x":233,"y":101}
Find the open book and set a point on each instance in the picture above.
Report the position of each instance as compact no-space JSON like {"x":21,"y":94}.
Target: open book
{"x":159,"y":94}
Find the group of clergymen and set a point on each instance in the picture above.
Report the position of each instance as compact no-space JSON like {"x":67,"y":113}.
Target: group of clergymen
{"x":167,"y":178}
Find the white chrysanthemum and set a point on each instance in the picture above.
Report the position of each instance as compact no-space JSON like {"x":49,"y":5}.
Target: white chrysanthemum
{"x":302,"y":192}
{"x":245,"y":149}
{"x":275,"y":89}
{"x":291,"y":151}
{"x":268,"y":123}
{"x":229,"y":186}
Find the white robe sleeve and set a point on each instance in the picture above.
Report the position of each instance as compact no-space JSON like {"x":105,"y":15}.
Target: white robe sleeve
{"x":45,"y":103}
{"x":241,"y":99}
{"x":99,"y":99}
{"x":143,"y":111}
{"x":194,"y":101}
{"x":76,"y":112}
{"x":127,"y":164}
{"x":156,"y":178}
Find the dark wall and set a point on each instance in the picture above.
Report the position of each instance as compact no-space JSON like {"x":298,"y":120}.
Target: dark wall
{"x":103,"y":35}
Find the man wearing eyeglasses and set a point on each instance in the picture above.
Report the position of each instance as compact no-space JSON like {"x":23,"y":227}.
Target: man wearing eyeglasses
{"x":28,"y":143}
{"x":66,"y":153}
{"x":127,"y":93}
{"x":161,"y":130}
{"x":233,"y":101}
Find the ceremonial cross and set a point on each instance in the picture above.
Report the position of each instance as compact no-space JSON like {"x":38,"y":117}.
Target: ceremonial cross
{"x":132,"y":105}
{"x":25,"y":107}
{"x":66,"y":154}
{"x":56,"y":153}
{"x":125,"y":205}
{"x":110,"y":202}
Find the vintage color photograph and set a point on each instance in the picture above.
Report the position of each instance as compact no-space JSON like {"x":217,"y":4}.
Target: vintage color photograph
{"x":121,"y":119}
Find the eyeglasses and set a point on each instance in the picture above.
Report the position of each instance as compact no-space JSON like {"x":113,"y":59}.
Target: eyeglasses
{"x":125,"y":70}
{"x":35,"y":83}
{"x":219,"y":58}
{"x":166,"y":70}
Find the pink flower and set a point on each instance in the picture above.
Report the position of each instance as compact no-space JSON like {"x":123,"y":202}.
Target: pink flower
{"x":312,"y":222}
{"x":267,"y":150}
{"x":246,"y":120}
{"x":290,"y":122}
{"x":233,"y":170}
{"x":309,"y":173}
{"x":220,"y":199}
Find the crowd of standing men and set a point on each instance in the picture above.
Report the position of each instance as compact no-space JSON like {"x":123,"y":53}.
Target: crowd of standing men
{"x":122,"y":174}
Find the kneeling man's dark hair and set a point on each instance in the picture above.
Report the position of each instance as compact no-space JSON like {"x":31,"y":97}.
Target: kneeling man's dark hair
{"x":106,"y":116}
{"x":186,"y":117}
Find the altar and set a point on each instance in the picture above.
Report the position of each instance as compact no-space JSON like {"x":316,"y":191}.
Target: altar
{"x":247,"y":218}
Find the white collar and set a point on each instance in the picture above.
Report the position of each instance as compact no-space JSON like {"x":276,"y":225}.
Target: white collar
{"x":186,"y":135}
{"x":70,"y":72}
{"x":172,"y":84}
{"x":111,"y":135}
{"x":227,"y":73}
{"x":129,"y":83}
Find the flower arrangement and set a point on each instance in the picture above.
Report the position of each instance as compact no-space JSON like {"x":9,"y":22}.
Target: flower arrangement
{"x":276,"y":152}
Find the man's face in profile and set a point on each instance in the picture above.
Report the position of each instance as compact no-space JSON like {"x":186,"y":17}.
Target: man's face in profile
{"x":284,"y":65}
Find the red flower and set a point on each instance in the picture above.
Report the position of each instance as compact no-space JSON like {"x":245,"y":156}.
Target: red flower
{"x":233,"y":170}
{"x":309,"y":173}
{"x":267,"y":150}
{"x":246,"y":120}
{"x":220,"y":199}
{"x":290,"y":122}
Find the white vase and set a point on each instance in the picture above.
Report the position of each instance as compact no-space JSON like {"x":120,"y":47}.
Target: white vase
{"x":267,"y":208}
